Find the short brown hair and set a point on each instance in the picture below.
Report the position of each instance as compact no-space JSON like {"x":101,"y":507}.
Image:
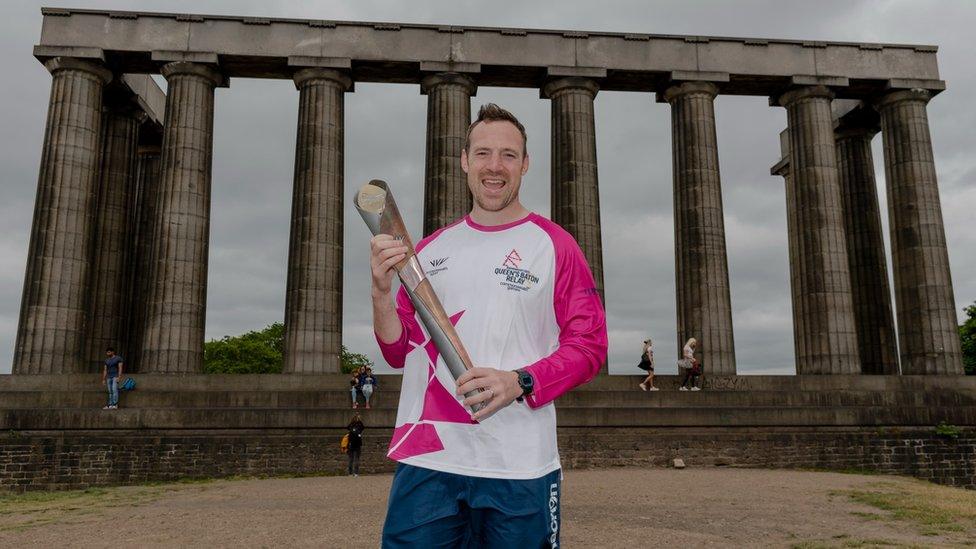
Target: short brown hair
{"x":491,"y":112}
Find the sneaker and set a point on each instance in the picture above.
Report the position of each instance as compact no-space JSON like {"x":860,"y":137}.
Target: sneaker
{"x":355,"y":474}
{"x":653,"y":389}
{"x":642,"y":386}
{"x":355,"y":405}
{"x":696,"y":388}
{"x":106,"y":407}
{"x":368,"y":406}
{"x":113,"y":407}
{"x":683,"y":389}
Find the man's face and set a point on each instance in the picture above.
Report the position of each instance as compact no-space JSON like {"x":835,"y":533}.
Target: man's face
{"x":495,"y":164}
{"x":109,"y":354}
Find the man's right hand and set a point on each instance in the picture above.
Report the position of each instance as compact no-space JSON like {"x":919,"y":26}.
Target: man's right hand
{"x":385,"y":252}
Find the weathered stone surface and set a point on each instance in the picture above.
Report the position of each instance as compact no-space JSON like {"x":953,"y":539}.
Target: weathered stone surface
{"x":871,"y":294}
{"x":575,"y":194}
{"x":383,"y":52}
{"x":51,"y":331}
{"x":181,"y":236}
{"x":446,"y":194}
{"x":823,"y":318}
{"x":927,"y":330}
{"x":701,"y":266}
{"x":313,"y":299}
{"x":145,"y":218}
{"x":109,"y":304}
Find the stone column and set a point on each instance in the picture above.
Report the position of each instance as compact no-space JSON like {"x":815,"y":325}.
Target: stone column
{"x":824,"y":327}
{"x":144,"y":218}
{"x":871,"y":294}
{"x":52,"y":311}
{"x":446,"y":194}
{"x":575,"y":194}
{"x":178,"y":286}
{"x":114,"y":228}
{"x":701,"y":266}
{"x":927,"y":329}
{"x":313,"y":300}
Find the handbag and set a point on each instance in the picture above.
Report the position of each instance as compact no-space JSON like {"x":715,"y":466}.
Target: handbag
{"x":127,"y":384}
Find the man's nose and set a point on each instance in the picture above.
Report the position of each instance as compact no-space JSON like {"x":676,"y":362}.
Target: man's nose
{"x":496,"y":164}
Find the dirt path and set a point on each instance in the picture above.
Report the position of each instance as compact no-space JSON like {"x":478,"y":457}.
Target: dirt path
{"x":601,"y":508}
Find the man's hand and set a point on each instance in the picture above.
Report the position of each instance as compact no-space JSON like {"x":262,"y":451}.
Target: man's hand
{"x":500,"y":389}
{"x":384,"y":252}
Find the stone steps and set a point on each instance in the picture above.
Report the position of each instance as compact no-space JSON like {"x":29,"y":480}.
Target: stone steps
{"x":340,"y":398}
{"x":568,"y":416}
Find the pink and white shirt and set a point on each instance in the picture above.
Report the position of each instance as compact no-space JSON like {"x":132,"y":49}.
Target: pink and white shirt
{"x":520,"y":296}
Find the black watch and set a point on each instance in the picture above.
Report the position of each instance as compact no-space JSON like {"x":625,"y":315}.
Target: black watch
{"x":526,"y":382}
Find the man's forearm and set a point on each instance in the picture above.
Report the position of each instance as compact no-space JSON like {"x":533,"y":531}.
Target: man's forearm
{"x":386,"y":323}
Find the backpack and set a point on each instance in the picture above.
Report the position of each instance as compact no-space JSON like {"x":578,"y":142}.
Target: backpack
{"x":127,"y":384}
{"x":344,"y":443}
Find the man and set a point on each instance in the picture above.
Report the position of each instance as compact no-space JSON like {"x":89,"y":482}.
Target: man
{"x":111,"y":374}
{"x":524,"y":303}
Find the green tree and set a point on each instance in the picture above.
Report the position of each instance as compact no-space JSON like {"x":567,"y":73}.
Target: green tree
{"x":967,"y":333}
{"x":261,"y":352}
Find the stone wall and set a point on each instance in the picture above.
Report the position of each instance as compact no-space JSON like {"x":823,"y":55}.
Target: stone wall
{"x":49,"y":460}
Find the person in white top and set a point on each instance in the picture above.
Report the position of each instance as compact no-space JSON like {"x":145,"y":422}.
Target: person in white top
{"x":687,"y":366}
{"x":523,"y":301}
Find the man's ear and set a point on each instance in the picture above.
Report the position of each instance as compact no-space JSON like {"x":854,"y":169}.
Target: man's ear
{"x":525,"y":163}
{"x":464,"y":160}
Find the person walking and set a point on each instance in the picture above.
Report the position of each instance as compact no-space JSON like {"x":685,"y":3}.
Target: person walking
{"x":355,"y":448}
{"x":687,"y":366}
{"x":647,"y":363}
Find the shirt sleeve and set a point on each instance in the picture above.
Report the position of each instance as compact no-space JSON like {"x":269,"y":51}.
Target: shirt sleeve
{"x":395,"y":353}
{"x":582,"y":329}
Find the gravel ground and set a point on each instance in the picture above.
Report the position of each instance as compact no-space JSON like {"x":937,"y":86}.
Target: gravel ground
{"x":601,"y":508}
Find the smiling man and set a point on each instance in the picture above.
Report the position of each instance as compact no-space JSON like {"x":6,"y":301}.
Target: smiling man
{"x":523,"y":301}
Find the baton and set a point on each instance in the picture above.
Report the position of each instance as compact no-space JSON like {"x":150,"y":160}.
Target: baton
{"x":375,"y":203}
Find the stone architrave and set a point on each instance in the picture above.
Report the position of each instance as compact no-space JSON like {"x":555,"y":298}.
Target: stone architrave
{"x":51,"y":331}
{"x":177,"y":297}
{"x":927,"y":330}
{"x":114,"y":231}
{"x":313,"y":299}
{"x":823,"y":316}
{"x":701,"y":270}
{"x":575,"y":194}
{"x":144,"y":210}
{"x":446,"y":194}
{"x":871,"y":293}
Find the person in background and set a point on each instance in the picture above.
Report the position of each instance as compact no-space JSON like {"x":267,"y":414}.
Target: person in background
{"x":354,"y":388}
{"x":647,"y":358}
{"x":355,"y":449}
{"x":367,"y":384}
{"x":687,"y":364}
{"x":111,"y":374}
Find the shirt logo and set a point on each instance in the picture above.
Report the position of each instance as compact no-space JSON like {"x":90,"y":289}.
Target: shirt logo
{"x":436,"y":265}
{"x":512,"y":259}
{"x":514,"y":278}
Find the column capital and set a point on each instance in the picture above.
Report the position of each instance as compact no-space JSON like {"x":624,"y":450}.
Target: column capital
{"x":341,"y":79}
{"x":448,"y":78}
{"x":914,"y":94}
{"x":197,"y":69}
{"x":690,"y":88}
{"x":792,"y":96}
{"x":563,"y":85}
{"x":56,"y":64}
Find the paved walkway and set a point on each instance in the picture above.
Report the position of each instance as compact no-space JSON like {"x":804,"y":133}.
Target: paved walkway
{"x":602,"y":508}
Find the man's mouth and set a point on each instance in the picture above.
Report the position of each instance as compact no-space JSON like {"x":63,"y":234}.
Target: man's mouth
{"x":493,"y":184}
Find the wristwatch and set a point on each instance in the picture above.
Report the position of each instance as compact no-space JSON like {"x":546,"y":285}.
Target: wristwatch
{"x":526,"y":382}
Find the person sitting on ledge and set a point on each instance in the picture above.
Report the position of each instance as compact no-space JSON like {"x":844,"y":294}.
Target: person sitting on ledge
{"x":367,"y":384}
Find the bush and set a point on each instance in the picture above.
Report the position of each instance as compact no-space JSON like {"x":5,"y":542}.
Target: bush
{"x":261,"y":352}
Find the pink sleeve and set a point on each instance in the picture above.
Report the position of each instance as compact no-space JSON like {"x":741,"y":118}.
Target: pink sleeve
{"x":395,"y":353}
{"x":582,"y":325}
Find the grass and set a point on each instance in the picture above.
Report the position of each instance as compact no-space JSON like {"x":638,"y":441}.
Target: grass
{"x":931,"y":509}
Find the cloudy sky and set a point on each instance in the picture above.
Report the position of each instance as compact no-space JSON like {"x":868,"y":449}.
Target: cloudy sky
{"x":385,"y":124}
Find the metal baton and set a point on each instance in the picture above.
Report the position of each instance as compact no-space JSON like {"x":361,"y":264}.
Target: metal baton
{"x":375,"y":203}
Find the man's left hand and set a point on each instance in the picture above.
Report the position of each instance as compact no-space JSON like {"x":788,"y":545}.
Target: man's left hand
{"x":500,"y":389}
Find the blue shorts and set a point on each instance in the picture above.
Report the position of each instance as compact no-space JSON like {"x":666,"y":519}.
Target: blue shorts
{"x":436,"y":509}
